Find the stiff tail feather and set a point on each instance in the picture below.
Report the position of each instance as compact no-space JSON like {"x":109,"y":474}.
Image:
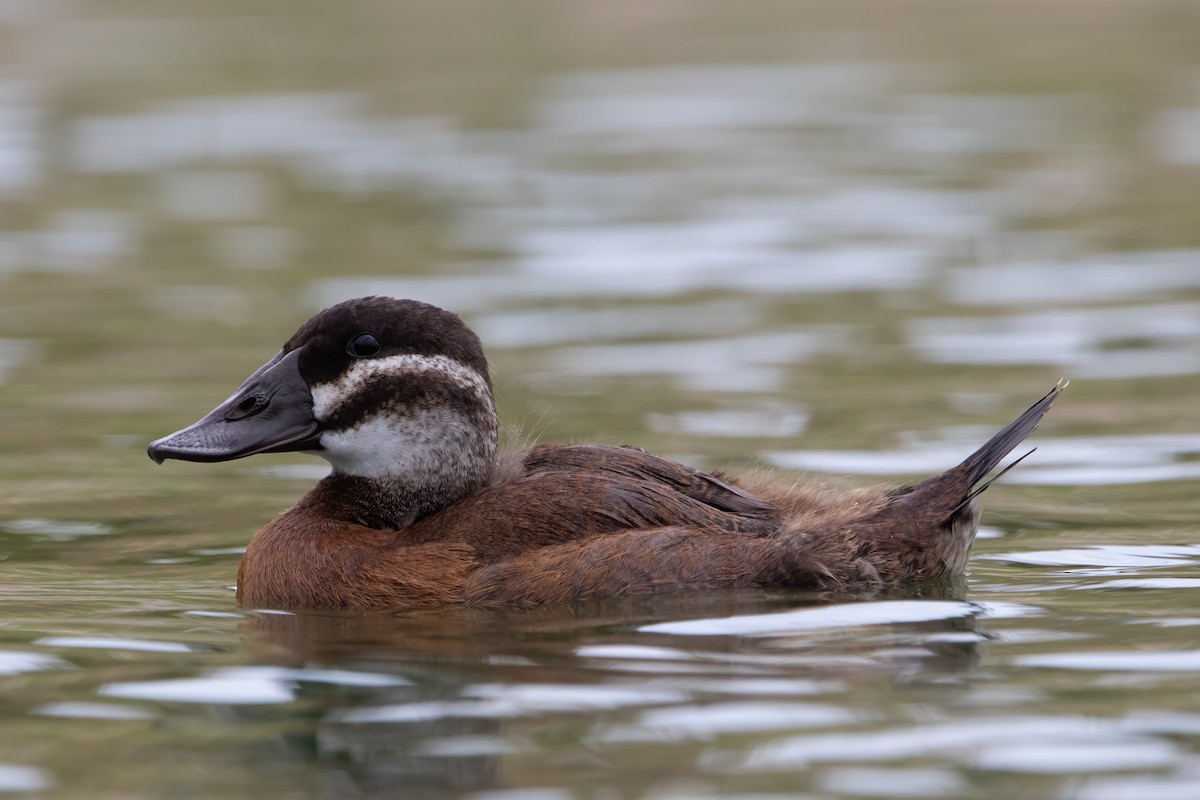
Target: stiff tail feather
{"x":984,"y":460}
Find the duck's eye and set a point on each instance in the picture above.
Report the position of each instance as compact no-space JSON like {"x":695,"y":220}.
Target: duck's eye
{"x":362,"y":346}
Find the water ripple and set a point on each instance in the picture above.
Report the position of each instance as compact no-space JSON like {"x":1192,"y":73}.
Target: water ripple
{"x":15,"y":353}
{"x":839,"y":616}
{"x":884,"y":782}
{"x":710,"y":721}
{"x":1105,"y":557}
{"x":1159,"y":788}
{"x":973,"y":740}
{"x":1144,"y":661}
{"x":1088,"y":757}
{"x":102,"y":643}
{"x":745,"y":364}
{"x":244,"y":685}
{"x":540,"y":327}
{"x":15,"y":663}
{"x":59,"y":530}
{"x":74,"y":710}
{"x":777,"y":422}
{"x":496,"y":701}
{"x":239,"y":686}
{"x":632,"y":651}
{"x":18,"y":778}
{"x":1146,"y":583}
{"x":1101,"y":277}
{"x":1080,"y":461}
{"x":1086,"y":343}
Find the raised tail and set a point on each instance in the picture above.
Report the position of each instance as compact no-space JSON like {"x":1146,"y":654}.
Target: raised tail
{"x":984,"y":460}
{"x":937,"y":515}
{"x":943,"y":495}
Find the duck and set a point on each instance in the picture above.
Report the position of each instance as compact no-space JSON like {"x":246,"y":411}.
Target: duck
{"x":422,"y":506}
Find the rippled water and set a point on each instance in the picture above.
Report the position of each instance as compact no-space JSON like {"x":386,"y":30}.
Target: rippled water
{"x":845,"y":240}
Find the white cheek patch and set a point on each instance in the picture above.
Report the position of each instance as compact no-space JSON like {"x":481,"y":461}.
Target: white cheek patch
{"x":426,"y":447}
{"x":329,"y":396}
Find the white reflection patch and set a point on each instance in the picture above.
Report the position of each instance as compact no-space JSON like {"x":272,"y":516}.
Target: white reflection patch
{"x":14,"y":353}
{"x":839,"y":616}
{"x":1080,"y":461}
{"x":1104,"y":343}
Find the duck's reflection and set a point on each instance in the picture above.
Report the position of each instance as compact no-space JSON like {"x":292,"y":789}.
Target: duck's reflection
{"x":483,"y":691}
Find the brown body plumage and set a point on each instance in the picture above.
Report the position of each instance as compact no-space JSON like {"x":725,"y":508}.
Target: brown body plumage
{"x":568,"y":522}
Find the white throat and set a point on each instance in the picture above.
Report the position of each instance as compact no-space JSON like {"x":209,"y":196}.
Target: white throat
{"x":424,"y":449}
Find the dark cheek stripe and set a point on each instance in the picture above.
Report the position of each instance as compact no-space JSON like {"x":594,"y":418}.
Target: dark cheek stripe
{"x":413,"y":394}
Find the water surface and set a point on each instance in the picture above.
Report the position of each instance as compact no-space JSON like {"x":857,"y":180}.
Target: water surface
{"x":838,"y":239}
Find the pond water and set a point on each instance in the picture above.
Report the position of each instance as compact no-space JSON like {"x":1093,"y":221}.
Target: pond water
{"x":844,"y":239}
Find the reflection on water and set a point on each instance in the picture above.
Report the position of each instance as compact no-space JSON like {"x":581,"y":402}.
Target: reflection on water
{"x":254,"y":247}
{"x":14,"y":663}
{"x":663,"y":102}
{"x":1082,"y":461}
{"x":877,"y":782}
{"x":242,"y":686}
{"x":441,"y":702}
{"x":1109,"y":343}
{"x":1176,"y":661}
{"x":1106,"y":559}
{"x":20,"y":156}
{"x":1016,"y":744}
{"x":16,"y":778}
{"x":733,"y":364}
{"x":572,"y":324}
{"x":837,"y":618}
{"x":214,"y":196}
{"x":73,"y":241}
{"x":203,"y":303}
{"x":102,"y":643}
{"x":227,"y":129}
{"x":1178,"y":136}
{"x":449,"y":725}
{"x":709,"y":721}
{"x":584,"y":232}
{"x":14,"y":353}
{"x":92,"y":711}
{"x":775,"y":421}
{"x":1102,"y":277}
{"x":59,"y":530}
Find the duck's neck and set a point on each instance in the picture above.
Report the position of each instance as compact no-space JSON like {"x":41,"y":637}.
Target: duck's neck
{"x":390,"y":471}
{"x":378,"y":503}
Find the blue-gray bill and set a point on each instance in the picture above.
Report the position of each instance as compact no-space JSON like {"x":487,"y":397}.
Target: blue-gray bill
{"x":272,"y":412}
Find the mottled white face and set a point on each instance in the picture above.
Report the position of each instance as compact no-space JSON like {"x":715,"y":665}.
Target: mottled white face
{"x":426,"y":421}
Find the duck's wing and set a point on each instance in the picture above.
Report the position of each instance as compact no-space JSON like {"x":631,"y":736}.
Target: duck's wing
{"x":672,"y":559}
{"x":642,"y":562}
{"x":569,"y":493}
{"x":633,"y":465}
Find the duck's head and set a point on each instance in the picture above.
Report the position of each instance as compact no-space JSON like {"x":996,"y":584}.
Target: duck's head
{"x":386,"y":389}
